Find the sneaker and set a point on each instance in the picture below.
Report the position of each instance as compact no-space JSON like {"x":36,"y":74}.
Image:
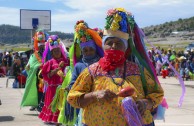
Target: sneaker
{"x":32,"y":108}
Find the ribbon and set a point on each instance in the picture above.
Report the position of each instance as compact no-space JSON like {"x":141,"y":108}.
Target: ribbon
{"x":176,"y":73}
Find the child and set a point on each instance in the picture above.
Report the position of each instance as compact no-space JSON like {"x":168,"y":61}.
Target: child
{"x":49,"y":73}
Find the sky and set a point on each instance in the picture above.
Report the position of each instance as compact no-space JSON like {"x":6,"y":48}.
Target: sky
{"x":65,"y":13}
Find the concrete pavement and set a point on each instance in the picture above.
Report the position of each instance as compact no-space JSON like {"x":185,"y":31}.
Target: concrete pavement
{"x":12,"y":115}
{"x":10,"y":112}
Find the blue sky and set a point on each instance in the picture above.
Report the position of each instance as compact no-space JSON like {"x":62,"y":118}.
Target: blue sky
{"x":65,"y":13}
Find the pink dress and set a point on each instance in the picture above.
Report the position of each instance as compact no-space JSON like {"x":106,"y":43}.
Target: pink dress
{"x":46,"y":114}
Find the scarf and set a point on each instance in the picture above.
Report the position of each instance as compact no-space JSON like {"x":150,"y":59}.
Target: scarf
{"x":88,"y":60}
{"x":112,"y":59}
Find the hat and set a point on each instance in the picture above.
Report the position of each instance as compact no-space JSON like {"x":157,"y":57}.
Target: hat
{"x":40,"y":37}
{"x":182,"y":58}
{"x":82,"y":35}
{"x":117,"y":24}
{"x":54,"y":42}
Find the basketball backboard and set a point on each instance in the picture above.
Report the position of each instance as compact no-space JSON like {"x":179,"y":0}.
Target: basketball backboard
{"x":32,"y":19}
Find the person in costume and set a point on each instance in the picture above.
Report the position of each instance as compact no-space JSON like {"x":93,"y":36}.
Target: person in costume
{"x":52,"y":72}
{"x":88,"y":48}
{"x":101,"y":90}
{"x":32,"y":95}
{"x":90,"y":53}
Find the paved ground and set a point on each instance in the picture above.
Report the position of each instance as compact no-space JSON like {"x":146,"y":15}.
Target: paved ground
{"x":12,"y":115}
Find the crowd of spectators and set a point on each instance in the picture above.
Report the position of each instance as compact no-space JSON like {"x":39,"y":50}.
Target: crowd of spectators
{"x":183,"y":62}
{"x":12,"y":64}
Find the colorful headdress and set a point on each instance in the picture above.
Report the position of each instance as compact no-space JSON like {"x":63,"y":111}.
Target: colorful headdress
{"x":54,"y":42}
{"x":121,"y":24}
{"x":40,"y":37}
{"x":84,"y":36}
{"x":117,"y":23}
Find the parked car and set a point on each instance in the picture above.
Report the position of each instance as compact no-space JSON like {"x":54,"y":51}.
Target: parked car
{"x":22,"y":54}
{"x":189,"y":47}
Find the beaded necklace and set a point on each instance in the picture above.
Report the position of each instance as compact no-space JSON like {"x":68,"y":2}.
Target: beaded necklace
{"x":123,"y":78}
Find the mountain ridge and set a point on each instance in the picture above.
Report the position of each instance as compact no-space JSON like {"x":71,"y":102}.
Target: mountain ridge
{"x":10,"y":34}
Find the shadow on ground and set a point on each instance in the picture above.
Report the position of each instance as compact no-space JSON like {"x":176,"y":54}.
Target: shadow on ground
{"x":6,"y":118}
{"x":31,"y":114}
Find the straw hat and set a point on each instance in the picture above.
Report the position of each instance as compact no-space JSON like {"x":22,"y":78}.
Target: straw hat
{"x":182,"y":58}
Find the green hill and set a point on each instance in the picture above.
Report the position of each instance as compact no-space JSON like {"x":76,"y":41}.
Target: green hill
{"x":10,"y":34}
{"x":13,"y":35}
{"x":165,"y":30}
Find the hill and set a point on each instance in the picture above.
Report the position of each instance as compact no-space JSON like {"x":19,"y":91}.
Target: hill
{"x":10,"y":34}
{"x":182,"y":26}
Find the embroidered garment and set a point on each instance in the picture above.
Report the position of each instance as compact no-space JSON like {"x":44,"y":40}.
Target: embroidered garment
{"x":109,"y":113}
{"x":46,"y":114}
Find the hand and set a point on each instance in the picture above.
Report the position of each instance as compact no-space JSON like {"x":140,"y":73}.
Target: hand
{"x":67,"y":89}
{"x":141,"y":105}
{"x":56,"y":70}
{"x":105,"y":95}
{"x":28,"y":67}
{"x":61,"y":64}
{"x":60,"y":73}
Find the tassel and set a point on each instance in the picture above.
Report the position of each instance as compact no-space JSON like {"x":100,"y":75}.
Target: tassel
{"x":131,"y":113}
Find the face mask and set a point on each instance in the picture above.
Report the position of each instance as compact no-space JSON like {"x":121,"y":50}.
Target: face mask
{"x":112,"y":59}
{"x":114,"y":55}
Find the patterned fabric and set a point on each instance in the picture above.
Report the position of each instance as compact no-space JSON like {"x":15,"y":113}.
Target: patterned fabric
{"x":46,"y":114}
{"x":112,"y":59}
{"x":109,"y":113}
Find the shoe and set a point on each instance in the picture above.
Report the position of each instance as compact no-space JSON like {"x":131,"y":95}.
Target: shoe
{"x":32,"y":108}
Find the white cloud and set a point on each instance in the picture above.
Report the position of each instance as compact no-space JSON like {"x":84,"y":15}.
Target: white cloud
{"x":146,"y":12}
{"x":9,"y":16}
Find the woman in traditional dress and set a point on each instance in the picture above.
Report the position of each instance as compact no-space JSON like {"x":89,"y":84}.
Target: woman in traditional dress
{"x":99,"y":89}
{"x":90,"y":53}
